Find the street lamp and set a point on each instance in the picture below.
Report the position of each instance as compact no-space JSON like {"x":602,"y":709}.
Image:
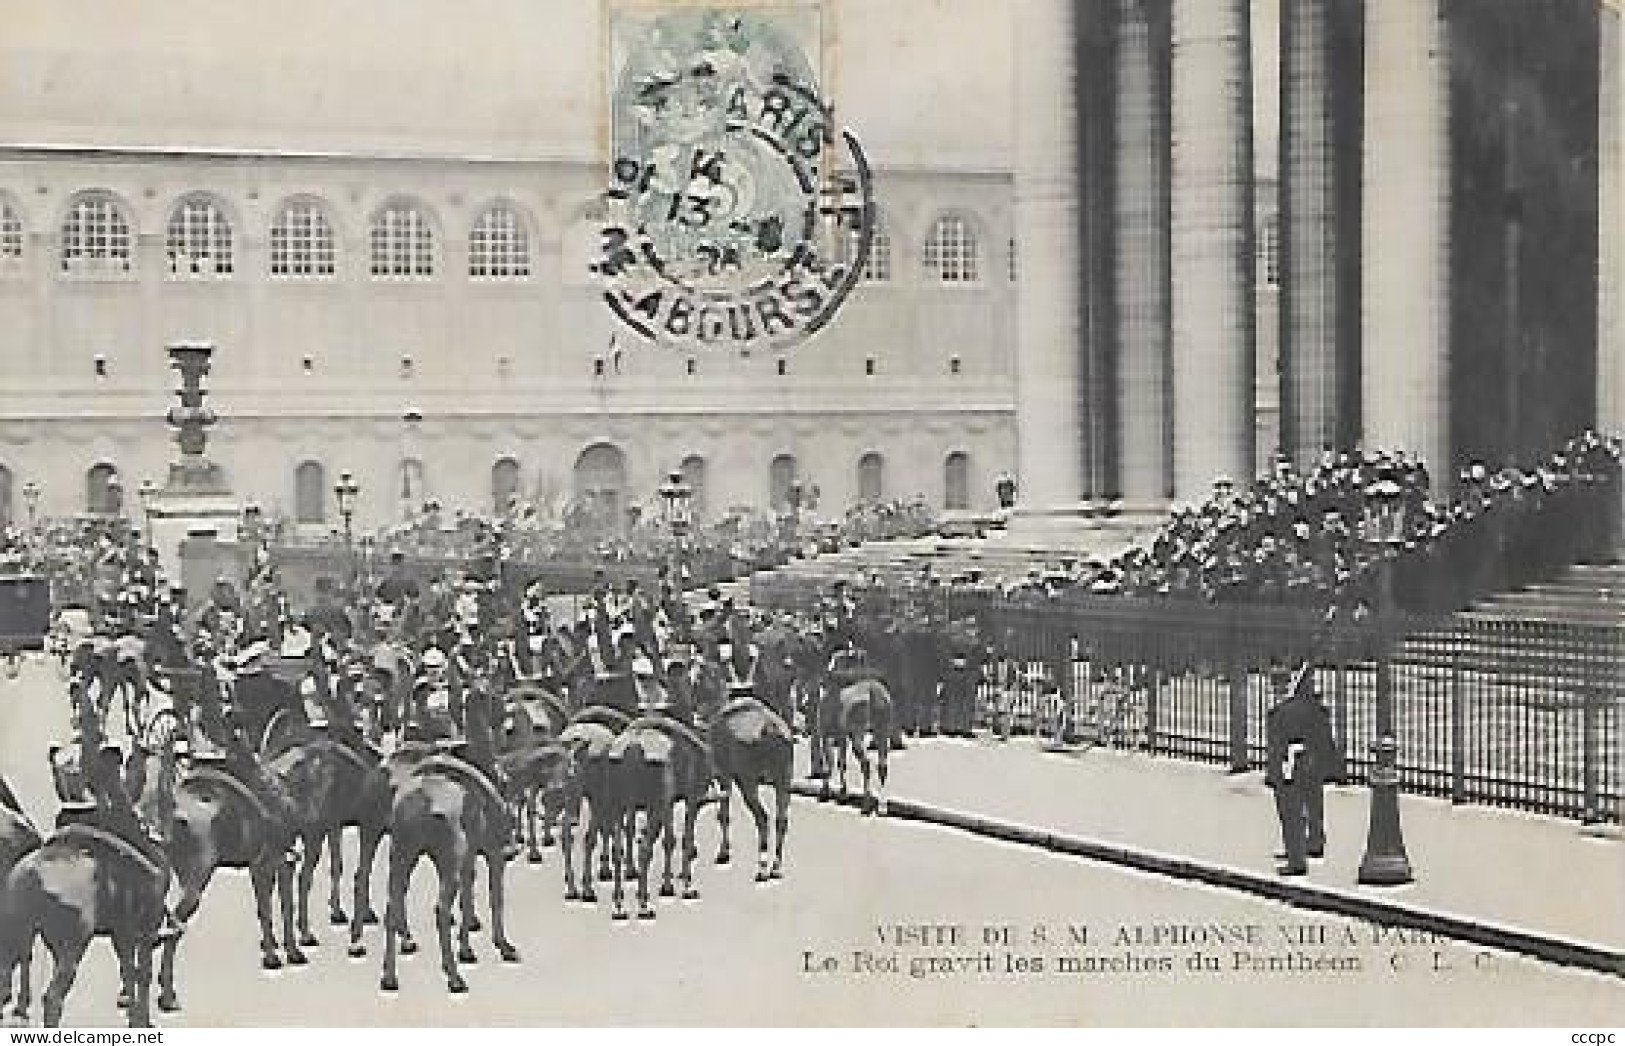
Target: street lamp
{"x":1385,"y":862}
{"x":147,"y":492}
{"x":31,"y":496}
{"x":676,"y":493}
{"x":346,"y":490}
{"x":251,"y":522}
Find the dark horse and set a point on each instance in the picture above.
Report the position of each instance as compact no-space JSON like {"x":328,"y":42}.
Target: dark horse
{"x":450,"y":810}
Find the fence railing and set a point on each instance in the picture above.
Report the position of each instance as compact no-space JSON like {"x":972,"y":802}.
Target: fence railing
{"x":1520,"y":714}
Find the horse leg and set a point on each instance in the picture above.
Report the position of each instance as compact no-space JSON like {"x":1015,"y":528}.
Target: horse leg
{"x":263,"y":877}
{"x":465,"y":899}
{"x":533,"y":852}
{"x":370,"y":838}
{"x":336,"y":915}
{"x":191,"y":894}
{"x":450,"y":868}
{"x":654,"y":824}
{"x":124,"y":950}
{"x":589,"y":845}
{"x":781,"y":824}
{"x":284,"y":880}
{"x":882,"y":757}
{"x":400,"y":875}
{"x":25,"y":981}
{"x":567,"y":828}
{"x":65,"y":957}
{"x":861,"y":749}
{"x":496,"y":869}
{"x":141,"y":1004}
{"x":668,"y":843}
{"x":691,"y":814}
{"x":621,"y":843}
{"x":747,"y":792}
{"x":842,"y":743}
{"x":724,"y":819}
{"x":306,"y":878}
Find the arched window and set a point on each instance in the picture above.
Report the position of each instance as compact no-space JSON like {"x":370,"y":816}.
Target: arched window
{"x":302,"y":241}
{"x":600,"y":485}
{"x":871,"y":478}
{"x":104,"y":491}
{"x":414,"y":484}
{"x":499,"y":246}
{"x":199,"y":240}
{"x":310,"y":493}
{"x":693,"y":470}
{"x":504,"y":485}
{"x":956,"y":481}
{"x":5,"y":497}
{"x":952,"y":254}
{"x":402,"y":242}
{"x":877,"y":269}
{"x":96,"y":238}
{"x":781,"y":474}
{"x":11,"y":238}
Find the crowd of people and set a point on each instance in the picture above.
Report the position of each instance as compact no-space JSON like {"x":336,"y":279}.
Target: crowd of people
{"x":1304,"y":538}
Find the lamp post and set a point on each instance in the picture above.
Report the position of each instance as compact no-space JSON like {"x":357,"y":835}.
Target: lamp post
{"x":251,"y":522}
{"x":346,"y":490}
{"x":31,"y":496}
{"x":1385,"y":862}
{"x":147,"y":492}
{"x":676,"y":494}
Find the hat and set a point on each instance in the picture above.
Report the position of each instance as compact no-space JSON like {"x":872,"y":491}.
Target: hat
{"x":434,"y":657}
{"x":642,"y":666}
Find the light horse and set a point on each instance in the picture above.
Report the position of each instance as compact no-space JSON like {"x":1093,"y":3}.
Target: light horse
{"x":451,"y":811}
{"x":852,"y":711}
{"x":95,"y":877}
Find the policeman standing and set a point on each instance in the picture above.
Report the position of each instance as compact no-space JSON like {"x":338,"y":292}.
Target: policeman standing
{"x":1302,"y":756}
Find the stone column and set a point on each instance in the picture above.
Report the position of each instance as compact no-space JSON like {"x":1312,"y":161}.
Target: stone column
{"x":1048,"y":331}
{"x":1405,"y":232}
{"x":1311,"y":228}
{"x":1142,"y":289}
{"x":1212,"y":243}
{"x":1611,"y":225}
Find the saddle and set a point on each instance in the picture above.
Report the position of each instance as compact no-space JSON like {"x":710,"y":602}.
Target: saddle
{"x":766,"y":718}
{"x":105,"y":838}
{"x":668,"y":727}
{"x":457,"y":767}
{"x":232,"y":783}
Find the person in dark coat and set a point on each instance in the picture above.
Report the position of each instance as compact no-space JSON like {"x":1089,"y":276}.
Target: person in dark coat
{"x":1302,"y":755}
{"x":961,"y":679}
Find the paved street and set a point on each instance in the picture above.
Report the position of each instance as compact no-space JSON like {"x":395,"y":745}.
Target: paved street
{"x":739,"y":956}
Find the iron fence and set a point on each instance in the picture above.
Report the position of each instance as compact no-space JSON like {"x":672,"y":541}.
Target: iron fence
{"x":1515,"y":713}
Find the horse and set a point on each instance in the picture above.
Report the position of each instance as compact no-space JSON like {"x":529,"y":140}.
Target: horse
{"x":752,"y":746}
{"x":849,"y":716}
{"x":451,"y":811}
{"x":18,"y":838}
{"x":234,"y":815}
{"x":656,"y":762}
{"x":90,"y":879}
{"x":586,"y":742}
{"x":528,"y":744}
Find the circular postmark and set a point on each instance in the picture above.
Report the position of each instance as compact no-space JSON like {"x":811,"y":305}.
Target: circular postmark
{"x":736,"y":216}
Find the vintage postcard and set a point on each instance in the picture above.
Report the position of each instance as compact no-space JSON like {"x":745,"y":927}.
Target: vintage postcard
{"x":1082,"y":513}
